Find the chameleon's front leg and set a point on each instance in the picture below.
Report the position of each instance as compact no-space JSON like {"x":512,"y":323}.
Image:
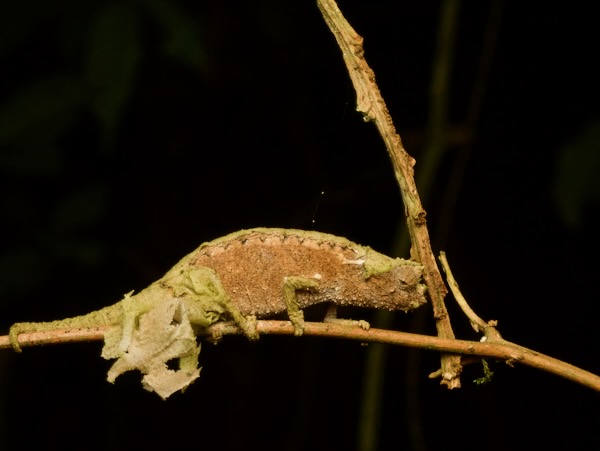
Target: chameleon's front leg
{"x":290,"y":285}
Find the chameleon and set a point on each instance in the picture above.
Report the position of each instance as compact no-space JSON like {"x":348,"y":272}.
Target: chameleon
{"x":249,"y":274}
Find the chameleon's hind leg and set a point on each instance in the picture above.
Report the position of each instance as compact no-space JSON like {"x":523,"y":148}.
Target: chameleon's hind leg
{"x":209,"y":302}
{"x":331,"y":317}
{"x":290,"y":285}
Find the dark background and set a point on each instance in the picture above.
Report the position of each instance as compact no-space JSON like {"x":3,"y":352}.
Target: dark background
{"x":130,"y":132}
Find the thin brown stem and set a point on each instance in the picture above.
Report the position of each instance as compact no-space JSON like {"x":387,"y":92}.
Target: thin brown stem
{"x":478,"y":324}
{"x":505,"y":350}
{"x":372,"y":106}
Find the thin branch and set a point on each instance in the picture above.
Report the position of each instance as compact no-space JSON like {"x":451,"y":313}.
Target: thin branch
{"x":371,"y":104}
{"x":505,"y":350}
{"x":52,"y":337}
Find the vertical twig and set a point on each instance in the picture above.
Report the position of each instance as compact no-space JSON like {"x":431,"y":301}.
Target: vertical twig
{"x":477,"y":96}
{"x":372,"y":106}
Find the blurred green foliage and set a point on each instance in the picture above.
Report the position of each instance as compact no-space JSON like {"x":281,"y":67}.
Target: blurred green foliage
{"x":577,"y":187}
{"x":69,"y":75}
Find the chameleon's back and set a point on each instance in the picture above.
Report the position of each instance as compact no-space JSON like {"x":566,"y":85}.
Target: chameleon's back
{"x":253,"y":264}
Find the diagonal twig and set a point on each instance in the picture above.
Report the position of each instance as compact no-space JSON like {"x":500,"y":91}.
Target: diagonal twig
{"x":479,"y":325}
{"x":372,"y":106}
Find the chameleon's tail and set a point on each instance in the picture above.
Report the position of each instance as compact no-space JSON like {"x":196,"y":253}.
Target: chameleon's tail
{"x":104,"y":317}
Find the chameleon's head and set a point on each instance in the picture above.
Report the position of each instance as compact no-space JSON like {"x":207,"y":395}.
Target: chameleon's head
{"x":400,"y":288}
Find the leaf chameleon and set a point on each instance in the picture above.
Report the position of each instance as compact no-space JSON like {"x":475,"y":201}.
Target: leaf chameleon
{"x":255,"y":273}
